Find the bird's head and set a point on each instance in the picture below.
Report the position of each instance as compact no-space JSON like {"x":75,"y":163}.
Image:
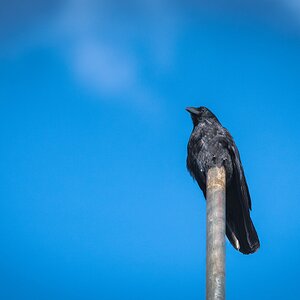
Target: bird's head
{"x":199,"y":114}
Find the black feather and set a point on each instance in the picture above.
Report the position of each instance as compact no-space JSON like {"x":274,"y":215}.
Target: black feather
{"x":212,"y":145}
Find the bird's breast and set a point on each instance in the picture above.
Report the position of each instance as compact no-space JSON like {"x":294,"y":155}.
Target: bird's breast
{"x":205,"y":151}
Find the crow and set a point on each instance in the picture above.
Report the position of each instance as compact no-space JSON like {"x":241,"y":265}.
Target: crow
{"x":211,"y":145}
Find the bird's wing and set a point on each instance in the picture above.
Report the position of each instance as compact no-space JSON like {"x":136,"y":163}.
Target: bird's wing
{"x":238,"y":170}
{"x":239,"y":227}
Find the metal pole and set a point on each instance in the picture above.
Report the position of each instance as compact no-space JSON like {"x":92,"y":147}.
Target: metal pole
{"x":215,"y":233}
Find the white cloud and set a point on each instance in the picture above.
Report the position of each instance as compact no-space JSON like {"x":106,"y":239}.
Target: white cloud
{"x":293,"y":8}
{"x":109,"y":44}
{"x":99,"y":43}
{"x":103,"y":67}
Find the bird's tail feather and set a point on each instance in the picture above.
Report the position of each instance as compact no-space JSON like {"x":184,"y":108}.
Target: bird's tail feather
{"x":239,"y":227}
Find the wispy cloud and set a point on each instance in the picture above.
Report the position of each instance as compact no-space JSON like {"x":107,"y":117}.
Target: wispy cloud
{"x":109,"y":44}
{"x":104,"y":67}
{"x":101,"y":41}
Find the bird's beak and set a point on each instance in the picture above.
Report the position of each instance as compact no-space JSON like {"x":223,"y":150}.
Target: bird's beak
{"x":192,"y":110}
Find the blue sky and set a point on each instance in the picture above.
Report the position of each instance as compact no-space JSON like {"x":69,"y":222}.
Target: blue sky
{"x":96,"y":201}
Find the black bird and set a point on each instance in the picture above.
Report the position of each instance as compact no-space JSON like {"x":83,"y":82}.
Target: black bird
{"x":210,"y":145}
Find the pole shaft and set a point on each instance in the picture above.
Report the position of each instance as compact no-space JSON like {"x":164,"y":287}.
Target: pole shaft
{"x":215,"y":233}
